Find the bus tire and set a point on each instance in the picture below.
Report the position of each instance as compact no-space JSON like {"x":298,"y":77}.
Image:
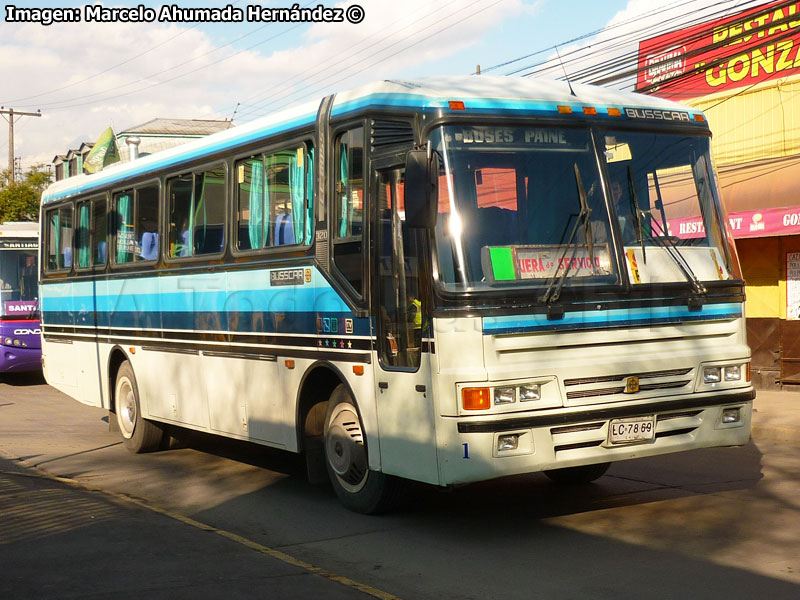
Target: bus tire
{"x":138,"y":434}
{"x":578,"y":475}
{"x":359,"y":489}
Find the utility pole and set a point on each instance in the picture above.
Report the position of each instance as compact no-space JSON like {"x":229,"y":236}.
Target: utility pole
{"x":10,"y":112}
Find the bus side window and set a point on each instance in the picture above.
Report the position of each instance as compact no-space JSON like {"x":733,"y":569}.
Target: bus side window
{"x":348,"y":211}
{"x":58,"y":243}
{"x":99,"y":230}
{"x":274,"y":196}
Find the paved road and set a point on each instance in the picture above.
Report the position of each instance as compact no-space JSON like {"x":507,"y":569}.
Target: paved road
{"x":718,"y":523}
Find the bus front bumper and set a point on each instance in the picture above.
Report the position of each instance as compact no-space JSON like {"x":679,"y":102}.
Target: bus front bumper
{"x":485,"y":448}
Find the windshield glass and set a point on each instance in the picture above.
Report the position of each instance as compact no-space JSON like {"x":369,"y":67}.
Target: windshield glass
{"x":665,"y":201}
{"x":19,"y":285}
{"x":520,"y":206}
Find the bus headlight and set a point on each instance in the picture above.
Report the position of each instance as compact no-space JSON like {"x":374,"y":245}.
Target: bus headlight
{"x":8,"y":341}
{"x":504,"y":395}
{"x":712,"y":374}
{"x":530,"y":392}
{"x":733,"y":373}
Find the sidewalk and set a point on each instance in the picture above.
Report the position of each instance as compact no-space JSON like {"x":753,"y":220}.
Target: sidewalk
{"x":776,"y":417}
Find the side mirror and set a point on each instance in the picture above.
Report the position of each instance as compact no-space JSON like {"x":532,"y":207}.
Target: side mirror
{"x":421,"y":189}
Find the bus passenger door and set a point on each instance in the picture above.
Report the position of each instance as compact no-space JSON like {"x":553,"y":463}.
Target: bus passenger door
{"x":402,"y":369}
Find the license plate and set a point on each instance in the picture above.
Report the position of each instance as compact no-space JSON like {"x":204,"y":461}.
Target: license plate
{"x":629,"y":431}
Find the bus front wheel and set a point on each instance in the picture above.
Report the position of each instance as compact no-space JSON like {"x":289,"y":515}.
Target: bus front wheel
{"x":138,"y":434}
{"x":358,"y":488}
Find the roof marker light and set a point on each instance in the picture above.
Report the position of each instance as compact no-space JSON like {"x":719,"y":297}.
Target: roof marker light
{"x":565,"y":110}
{"x":700,"y":118}
{"x":456,"y":105}
{"x":589,"y":110}
{"x":614,"y":112}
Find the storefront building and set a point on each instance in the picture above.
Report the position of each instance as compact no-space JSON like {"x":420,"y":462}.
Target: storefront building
{"x":743,"y":71}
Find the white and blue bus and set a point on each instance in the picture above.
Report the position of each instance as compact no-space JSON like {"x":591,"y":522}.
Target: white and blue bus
{"x":444,"y":280}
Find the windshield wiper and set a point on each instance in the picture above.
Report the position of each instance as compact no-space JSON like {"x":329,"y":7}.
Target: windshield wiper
{"x":636,"y":213}
{"x":553,"y":292}
{"x":665,"y":241}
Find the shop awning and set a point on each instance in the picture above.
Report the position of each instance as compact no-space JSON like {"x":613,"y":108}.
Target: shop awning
{"x":762,"y":199}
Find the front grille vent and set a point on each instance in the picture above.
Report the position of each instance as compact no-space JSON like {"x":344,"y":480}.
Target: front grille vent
{"x":647,"y":387}
{"x":390,"y":136}
{"x":609,"y":378}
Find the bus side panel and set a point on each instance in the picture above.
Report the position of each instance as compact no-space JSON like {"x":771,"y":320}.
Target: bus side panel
{"x":85,"y":296}
{"x":56,"y":310}
{"x":245,"y":397}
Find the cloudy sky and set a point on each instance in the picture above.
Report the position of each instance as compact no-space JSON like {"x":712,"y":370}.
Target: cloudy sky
{"x":85,"y":77}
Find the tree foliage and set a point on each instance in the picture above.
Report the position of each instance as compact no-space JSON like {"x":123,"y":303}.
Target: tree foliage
{"x":19,"y":200}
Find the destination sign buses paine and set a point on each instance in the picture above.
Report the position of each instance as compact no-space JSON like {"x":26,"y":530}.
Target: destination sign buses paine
{"x":443,"y":280}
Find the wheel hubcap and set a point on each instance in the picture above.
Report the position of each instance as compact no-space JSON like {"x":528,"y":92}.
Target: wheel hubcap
{"x":345,"y":449}
{"x":126,"y":408}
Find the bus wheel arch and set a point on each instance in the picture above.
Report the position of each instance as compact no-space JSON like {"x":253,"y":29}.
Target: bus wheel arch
{"x":316,"y":387}
{"x":358,"y":488}
{"x":138,"y":434}
{"x":116,"y":357}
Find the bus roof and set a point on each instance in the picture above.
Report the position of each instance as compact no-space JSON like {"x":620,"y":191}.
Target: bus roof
{"x":479,"y":95}
{"x":19,"y":229}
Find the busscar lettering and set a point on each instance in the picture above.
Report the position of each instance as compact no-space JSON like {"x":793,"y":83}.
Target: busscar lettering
{"x":287,"y":277}
{"x":656,"y":114}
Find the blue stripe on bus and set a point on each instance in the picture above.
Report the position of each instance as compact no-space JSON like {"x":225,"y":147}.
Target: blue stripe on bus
{"x":297,"y":322}
{"x":610,"y":318}
{"x":266,"y":300}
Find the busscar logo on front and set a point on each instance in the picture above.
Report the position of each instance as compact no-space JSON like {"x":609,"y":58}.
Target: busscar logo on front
{"x":657,"y":114}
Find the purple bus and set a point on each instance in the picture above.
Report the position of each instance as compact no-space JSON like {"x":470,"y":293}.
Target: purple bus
{"x":20,"y":331}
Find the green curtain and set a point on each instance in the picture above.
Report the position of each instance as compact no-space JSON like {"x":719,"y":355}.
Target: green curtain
{"x":59,"y":262}
{"x":296,"y":190}
{"x":309,"y":220}
{"x":84,"y":251}
{"x":343,"y":172}
{"x":256,"y":221}
{"x":124,"y":229}
{"x":198,"y":210}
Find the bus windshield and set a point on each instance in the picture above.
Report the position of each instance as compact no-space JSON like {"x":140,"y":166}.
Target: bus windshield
{"x":511,"y":208}
{"x":529,"y":206}
{"x":19,"y":283}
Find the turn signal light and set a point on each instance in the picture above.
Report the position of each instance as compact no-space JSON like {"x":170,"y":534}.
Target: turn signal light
{"x":476,"y":398}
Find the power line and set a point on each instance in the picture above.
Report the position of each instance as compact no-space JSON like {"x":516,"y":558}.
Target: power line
{"x":362,"y":67}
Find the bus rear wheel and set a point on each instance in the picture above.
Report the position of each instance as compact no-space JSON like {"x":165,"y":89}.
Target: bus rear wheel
{"x":358,"y":488}
{"x":138,"y":434}
{"x":578,"y":475}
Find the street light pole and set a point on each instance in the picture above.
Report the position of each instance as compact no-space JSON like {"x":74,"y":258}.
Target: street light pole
{"x":11,"y":112}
